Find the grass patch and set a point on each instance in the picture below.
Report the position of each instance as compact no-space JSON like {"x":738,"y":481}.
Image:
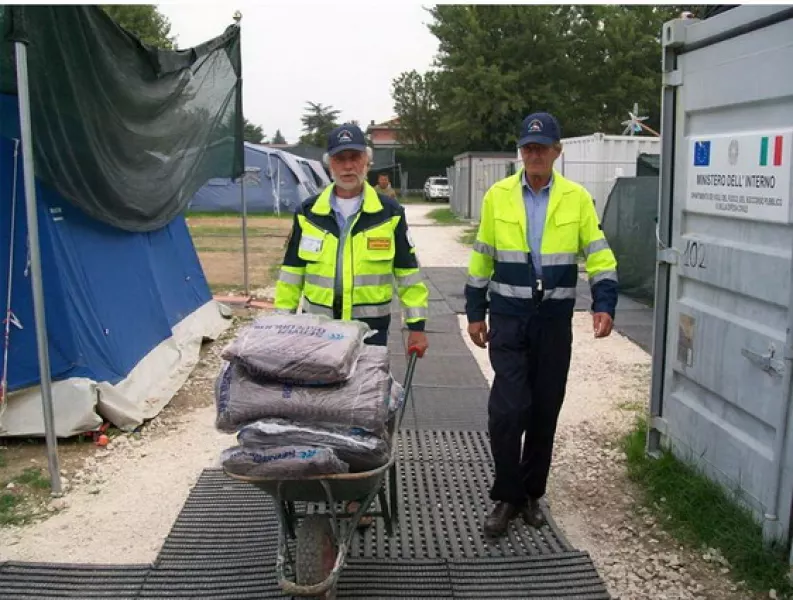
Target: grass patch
{"x":412,"y":199}
{"x":232,"y":249}
{"x":444,"y":216}
{"x":8,"y":509}
{"x":16,"y":503}
{"x":237,"y":215}
{"x":222,"y":289}
{"x":235,"y":232}
{"x":700,"y":513}
{"x":33,"y":478}
{"x":3,"y":462}
{"x":218,"y":242}
{"x":631,"y":406}
{"x":468,"y":237}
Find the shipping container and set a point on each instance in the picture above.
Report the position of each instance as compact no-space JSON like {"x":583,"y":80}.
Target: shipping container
{"x":474,"y":173}
{"x":596,"y":161}
{"x":723,"y":331}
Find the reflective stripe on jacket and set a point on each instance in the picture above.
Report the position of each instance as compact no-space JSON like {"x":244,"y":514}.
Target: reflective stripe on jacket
{"x":377,"y":254}
{"x":501,"y":277}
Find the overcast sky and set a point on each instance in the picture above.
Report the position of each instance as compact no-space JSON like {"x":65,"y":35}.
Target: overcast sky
{"x":343,"y":54}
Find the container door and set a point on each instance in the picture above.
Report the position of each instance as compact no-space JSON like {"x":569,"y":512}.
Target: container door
{"x":722,"y":383}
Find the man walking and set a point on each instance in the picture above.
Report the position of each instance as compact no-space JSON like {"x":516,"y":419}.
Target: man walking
{"x":523,"y":270}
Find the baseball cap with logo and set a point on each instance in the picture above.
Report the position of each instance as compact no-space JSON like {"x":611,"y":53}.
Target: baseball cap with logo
{"x":346,"y":137}
{"x":539,"y":128}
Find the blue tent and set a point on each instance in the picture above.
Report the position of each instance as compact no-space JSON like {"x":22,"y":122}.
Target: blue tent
{"x":315,"y":171}
{"x":126,"y":312}
{"x":274,"y":183}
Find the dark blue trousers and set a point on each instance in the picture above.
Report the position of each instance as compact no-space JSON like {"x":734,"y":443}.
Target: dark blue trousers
{"x":531,"y":359}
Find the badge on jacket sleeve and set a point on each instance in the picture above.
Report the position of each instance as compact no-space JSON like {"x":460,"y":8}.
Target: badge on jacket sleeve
{"x":378,"y":243}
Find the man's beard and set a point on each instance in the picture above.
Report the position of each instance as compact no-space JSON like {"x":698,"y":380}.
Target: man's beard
{"x":351,"y":185}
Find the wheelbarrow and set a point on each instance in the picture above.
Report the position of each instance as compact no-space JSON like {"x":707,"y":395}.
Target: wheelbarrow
{"x":322,"y":540}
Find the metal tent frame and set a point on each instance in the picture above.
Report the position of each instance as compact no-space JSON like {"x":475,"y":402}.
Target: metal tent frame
{"x":29,"y":175}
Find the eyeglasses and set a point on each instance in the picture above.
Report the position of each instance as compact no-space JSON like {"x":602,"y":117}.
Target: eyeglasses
{"x":534,"y":149}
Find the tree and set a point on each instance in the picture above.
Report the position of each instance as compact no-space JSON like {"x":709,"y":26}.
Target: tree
{"x":586,"y":64}
{"x":318,"y":121}
{"x":416,"y":106}
{"x":252,"y":133}
{"x":143,"y":20}
{"x":279,"y":138}
{"x":631,"y":64}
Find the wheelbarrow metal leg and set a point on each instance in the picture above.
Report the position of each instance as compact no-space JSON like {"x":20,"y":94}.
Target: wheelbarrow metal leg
{"x":289,"y":518}
{"x":393,"y":491}
{"x":386,"y":510}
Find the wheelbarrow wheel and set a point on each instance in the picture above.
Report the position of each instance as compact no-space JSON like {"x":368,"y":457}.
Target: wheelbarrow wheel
{"x":316,"y":552}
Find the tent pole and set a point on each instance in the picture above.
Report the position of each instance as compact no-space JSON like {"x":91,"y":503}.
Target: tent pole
{"x":244,"y":232}
{"x":238,"y":19}
{"x":35,"y":266}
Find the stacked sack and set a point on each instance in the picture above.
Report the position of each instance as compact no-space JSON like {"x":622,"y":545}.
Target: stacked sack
{"x":306,"y":396}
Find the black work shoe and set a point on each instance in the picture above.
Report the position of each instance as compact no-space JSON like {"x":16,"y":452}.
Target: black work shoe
{"x":532,"y":514}
{"x":497,"y":521}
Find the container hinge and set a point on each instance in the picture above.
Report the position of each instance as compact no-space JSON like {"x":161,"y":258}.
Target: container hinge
{"x":660,"y":425}
{"x":766,"y":362}
{"x":673,"y":78}
{"x":667,"y":255}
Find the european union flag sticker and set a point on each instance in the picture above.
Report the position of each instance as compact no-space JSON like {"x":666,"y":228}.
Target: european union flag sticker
{"x":701,"y":154}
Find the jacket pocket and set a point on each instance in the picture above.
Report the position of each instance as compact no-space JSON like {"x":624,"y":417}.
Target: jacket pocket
{"x":508,"y":233}
{"x":568,"y":226}
{"x":312,"y":246}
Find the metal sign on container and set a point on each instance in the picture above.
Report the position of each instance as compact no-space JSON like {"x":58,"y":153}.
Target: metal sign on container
{"x":744,"y":176}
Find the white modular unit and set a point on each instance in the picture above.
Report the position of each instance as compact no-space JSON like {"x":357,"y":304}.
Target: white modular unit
{"x":595,"y":161}
{"x":474,"y":173}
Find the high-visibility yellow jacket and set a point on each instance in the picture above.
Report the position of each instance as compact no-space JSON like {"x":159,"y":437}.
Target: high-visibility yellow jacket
{"x":501,"y":277}
{"x":377,"y":253}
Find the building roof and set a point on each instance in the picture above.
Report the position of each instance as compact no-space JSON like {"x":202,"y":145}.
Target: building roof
{"x":390,"y":124}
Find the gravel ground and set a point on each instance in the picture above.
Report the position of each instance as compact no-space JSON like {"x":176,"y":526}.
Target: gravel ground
{"x":437,"y":245}
{"x":124,"y":500}
{"x":589,"y":493}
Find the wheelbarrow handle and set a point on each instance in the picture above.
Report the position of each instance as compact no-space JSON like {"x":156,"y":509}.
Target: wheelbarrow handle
{"x":413,"y":356}
{"x":407,"y":386}
{"x":417,"y":351}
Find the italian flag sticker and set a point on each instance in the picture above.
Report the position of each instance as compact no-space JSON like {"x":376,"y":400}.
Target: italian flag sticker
{"x":775,"y":150}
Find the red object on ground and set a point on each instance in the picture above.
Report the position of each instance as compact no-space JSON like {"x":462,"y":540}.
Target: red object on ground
{"x":238,"y":300}
{"x":260,"y":304}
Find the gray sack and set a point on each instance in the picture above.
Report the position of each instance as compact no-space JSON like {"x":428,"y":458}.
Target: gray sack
{"x":362,"y":402}
{"x":362,"y":451}
{"x":301,"y":349}
{"x":285,"y":462}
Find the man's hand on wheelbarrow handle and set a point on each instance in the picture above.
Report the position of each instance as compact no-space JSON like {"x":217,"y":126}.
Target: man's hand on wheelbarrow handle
{"x":417,"y":343}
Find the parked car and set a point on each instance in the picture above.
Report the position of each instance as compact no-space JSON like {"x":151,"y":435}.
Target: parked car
{"x":436,"y":188}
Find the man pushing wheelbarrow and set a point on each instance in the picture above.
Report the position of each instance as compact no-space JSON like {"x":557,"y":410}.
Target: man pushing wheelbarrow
{"x":310,"y":396}
{"x":348,"y":247}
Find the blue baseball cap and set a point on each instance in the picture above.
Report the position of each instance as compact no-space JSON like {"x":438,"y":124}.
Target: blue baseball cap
{"x":346,"y":137}
{"x":539,"y":128}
